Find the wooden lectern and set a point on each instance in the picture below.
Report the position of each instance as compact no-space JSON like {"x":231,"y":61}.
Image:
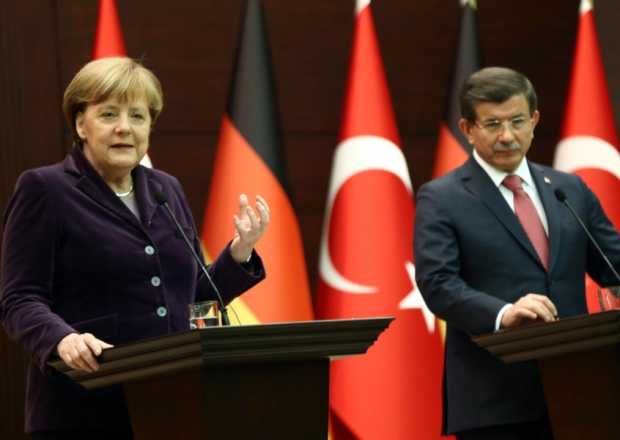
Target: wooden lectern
{"x":579,"y":360}
{"x":234,"y":382}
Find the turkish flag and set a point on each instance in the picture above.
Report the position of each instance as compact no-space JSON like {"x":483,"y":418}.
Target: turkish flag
{"x":588,"y":139}
{"x":366,"y":266}
{"x":250,"y":159}
{"x":109,"y":42}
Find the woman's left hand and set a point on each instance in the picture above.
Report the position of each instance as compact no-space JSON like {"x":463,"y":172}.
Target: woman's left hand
{"x":249,"y":227}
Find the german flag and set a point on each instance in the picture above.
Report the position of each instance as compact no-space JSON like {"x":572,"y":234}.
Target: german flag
{"x":250,"y":159}
{"x":452,"y":146}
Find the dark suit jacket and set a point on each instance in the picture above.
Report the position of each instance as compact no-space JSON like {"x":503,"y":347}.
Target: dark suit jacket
{"x":472,"y":257}
{"x":76,"y":259}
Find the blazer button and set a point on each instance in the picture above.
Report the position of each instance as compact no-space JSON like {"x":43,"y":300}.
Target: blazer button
{"x":149,"y":250}
{"x":155,"y":281}
{"x":162,"y":311}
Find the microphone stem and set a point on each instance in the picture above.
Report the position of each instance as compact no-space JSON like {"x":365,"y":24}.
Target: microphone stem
{"x":223,"y":309}
{"x":592,"y":239}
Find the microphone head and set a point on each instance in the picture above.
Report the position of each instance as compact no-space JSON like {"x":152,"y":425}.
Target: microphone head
{"x":160,"y":197}
{"x":559,"y":194}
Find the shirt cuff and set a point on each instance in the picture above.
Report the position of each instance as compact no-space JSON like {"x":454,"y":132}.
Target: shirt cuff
{"x":500,"y":315}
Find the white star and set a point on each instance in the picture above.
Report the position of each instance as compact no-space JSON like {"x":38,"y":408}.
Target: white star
{"x":414,"y":300}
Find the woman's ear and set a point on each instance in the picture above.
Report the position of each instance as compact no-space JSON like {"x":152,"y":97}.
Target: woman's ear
{"x":79,"y":125}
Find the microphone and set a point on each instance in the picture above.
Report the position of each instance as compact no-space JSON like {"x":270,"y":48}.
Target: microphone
{"x":161,"y":198}
{"x":559,"y":194}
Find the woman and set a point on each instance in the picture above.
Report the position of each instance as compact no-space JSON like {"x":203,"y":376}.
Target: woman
{"x":91,"y":260}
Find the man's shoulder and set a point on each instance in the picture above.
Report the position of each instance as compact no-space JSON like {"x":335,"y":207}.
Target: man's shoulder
{"x":555,"y":174}
{"x":450,"y":178}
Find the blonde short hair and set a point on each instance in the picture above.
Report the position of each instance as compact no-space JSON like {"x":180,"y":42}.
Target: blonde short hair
{"x":119,"y":77}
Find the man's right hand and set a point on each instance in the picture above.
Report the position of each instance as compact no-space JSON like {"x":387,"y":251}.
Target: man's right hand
{"x":529,"y":309}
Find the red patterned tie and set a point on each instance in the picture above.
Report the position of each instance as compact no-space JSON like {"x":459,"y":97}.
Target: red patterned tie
{"x":529,"y":218}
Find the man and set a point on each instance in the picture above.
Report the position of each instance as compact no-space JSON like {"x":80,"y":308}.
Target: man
{"x":480,"y":270}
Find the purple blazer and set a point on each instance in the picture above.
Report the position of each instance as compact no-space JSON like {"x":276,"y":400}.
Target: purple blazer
{"x":76,"y":259}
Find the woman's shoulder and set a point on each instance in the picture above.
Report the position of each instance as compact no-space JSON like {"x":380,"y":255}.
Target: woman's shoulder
{"x":161,"y":180}
{"x":40,"y":175}
{"x":165,"y":179}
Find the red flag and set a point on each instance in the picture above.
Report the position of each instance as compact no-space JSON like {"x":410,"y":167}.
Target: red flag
{"x":108,"y":36}
{"x":588,"y":139}
{"x":366,"y":266}
{"x":250,"y":159}
{"x":109,"y":42}
{"x":452,"y":146}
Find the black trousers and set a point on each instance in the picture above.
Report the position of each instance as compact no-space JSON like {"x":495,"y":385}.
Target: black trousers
{"x":537,"y":430}
{"x":83,"y":434}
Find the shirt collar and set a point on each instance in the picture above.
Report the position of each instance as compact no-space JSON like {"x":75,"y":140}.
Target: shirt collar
{"x":497,"y":176}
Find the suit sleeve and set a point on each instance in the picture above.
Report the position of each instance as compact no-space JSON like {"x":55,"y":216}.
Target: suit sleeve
{"x":438,"y":260}
{"x":28,"y":256}
{"x":605,"y":234}
{"x":229,"y":276}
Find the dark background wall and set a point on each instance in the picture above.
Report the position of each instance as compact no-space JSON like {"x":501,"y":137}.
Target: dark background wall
{"x":190,"y":45}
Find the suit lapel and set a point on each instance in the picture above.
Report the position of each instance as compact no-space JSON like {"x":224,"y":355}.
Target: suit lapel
{"x":147,"y":186}
{"x":550,"y":203}
{"x":477,"y":182}
{"x":90,"y":183}
{"x":102,"y":198}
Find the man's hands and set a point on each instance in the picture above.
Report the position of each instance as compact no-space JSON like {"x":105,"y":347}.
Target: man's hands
{"x":80,"y":351}
{"x":529,"y":309}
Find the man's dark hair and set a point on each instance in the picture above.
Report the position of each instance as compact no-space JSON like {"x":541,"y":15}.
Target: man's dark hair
{"x":494,"y":84}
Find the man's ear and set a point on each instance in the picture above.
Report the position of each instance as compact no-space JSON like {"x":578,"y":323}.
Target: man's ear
{"x":535,"y":117}
{"x":465,"y":126}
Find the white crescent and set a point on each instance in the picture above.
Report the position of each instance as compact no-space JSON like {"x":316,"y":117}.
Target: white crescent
{"x":360,"y":4}
{"x":578,"y":152}
{"x":353,"y":156}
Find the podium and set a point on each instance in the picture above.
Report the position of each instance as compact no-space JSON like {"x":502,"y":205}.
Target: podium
{"x":233,"y":382}
{"x":579,"y":361}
